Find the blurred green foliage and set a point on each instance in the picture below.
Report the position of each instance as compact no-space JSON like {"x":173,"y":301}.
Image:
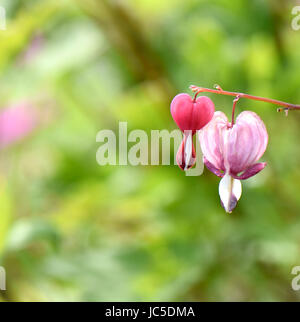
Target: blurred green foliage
{"x":71,"y":230}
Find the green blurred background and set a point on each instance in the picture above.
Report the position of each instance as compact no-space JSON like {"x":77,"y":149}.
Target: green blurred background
{"x":71,"y":230}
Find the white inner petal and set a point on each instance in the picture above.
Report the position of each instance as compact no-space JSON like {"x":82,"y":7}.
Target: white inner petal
{"x":188,"y":150}
{"x":230,"y":190}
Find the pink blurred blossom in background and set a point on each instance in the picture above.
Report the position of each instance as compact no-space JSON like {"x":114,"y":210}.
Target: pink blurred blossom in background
{"x":16,"y":122}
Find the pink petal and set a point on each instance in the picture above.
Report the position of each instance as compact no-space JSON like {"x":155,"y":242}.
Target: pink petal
{"x":247,"y":142}
{"x":251,"y":171}
{"x":212,"y":168}
{"x":190,"y":115}
{"x":211,"y":140}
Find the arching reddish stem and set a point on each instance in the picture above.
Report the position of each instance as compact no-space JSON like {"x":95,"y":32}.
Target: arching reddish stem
{"x":219,"y":90}
{"x":195,"y":97}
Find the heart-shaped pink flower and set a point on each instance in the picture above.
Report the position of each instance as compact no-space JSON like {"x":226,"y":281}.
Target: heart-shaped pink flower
{"x":190,"y":115}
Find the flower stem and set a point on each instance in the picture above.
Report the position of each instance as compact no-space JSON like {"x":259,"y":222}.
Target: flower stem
{"x":233,"y":109}
{"x":195,"y":97}
{"x":219,"y":90}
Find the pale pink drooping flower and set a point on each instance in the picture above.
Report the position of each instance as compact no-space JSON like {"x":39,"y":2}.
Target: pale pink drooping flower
{"x":232,"y":151}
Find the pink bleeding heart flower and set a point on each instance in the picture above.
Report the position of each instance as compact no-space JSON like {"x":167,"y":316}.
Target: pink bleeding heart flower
{"x":190,"y":115}
{"x":231,"y":152}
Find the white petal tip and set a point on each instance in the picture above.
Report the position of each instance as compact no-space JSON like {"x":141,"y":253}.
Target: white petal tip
{"x":230,"y":191}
